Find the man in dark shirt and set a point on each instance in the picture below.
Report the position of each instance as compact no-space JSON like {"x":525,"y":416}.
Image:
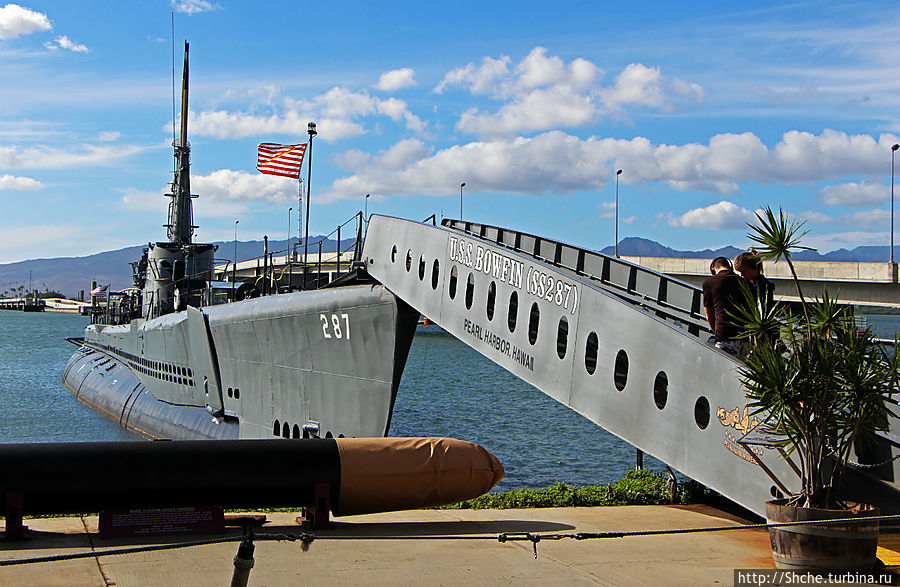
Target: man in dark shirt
{"x":721,"y":295}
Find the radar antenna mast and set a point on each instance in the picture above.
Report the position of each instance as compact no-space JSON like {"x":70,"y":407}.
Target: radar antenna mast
{"x":180,"y":226}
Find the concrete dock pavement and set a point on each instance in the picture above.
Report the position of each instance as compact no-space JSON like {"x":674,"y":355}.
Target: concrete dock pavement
{"x":421,"y":547}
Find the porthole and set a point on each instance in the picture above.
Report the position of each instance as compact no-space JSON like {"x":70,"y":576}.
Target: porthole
{"x":513,"y":313}
{"x":276,"y":430}
{"x":491,"y":299}
{"x":562,"y":337}
{"x":286,"y":430}
{"x":237,"y":393}
{"x":620,"y":375}
{"x":408,"y":260}
{"x":394,"y":254}
{"x":421,"y":267}
{"x":470,"y":291}
{"x":435,"y":269}
{"x":590,"y":353}
{"x":453,"y":278}
{"x":661,"y":389}
{"x":534,"y":318}
{"x":701,"y":412}
{"x":296,"y":431}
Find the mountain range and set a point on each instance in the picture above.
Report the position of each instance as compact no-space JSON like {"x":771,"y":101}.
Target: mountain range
{"x":71,"y":275}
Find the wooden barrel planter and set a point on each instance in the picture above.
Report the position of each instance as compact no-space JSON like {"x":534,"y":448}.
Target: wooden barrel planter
{"x":822,"y":547}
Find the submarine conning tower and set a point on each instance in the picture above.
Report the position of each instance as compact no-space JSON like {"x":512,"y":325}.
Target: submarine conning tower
{"x":176,"y":271}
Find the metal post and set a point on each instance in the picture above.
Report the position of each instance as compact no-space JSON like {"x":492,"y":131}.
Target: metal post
{"x":893,"y":150}
{"x":639,"y":460}
{"x":311,"y":130}
{"x":234,"y":267}
{"x":319,"y":269}
{"x":243,"y":560}
{"x":287,"y":252}
{"x":618,"y":173}
{"x":338,"y":250}
{"x":265,"y":287}
{"x":461,"y":186}
{"x":367,"y":210}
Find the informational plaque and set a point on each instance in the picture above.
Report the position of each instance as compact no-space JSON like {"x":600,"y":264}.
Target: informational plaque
{"x":161,"y":521}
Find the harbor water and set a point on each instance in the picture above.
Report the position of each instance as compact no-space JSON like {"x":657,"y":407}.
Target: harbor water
{"x":447,"y":390}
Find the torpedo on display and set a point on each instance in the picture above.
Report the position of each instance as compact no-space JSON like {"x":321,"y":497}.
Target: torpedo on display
{"x":364,"y":475}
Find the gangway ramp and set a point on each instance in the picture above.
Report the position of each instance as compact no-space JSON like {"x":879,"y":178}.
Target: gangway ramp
{"x":624,"y":346}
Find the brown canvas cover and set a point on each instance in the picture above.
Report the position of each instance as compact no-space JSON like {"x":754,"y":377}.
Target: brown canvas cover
{"x":389,"y":474}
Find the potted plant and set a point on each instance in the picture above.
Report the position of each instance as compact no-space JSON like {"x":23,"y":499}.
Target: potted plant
{"x":821,"y":387}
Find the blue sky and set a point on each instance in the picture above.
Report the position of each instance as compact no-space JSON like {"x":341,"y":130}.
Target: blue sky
{"x":711,"y":110}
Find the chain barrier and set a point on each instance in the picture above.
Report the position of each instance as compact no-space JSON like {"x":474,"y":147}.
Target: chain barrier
{"x":306,"y":538}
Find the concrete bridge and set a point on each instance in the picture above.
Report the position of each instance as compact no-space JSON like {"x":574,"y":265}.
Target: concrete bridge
{"x":864,"y":284}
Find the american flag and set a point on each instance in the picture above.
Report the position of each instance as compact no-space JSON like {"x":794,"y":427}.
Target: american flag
{"x":283,"y":160}
{"x":100,"y":291}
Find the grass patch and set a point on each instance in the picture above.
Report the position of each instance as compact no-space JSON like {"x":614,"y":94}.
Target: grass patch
{"x":636,"y":488}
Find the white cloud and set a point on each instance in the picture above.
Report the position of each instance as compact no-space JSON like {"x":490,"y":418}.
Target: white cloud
{"x":16,"y":21}
{"x":478,"y":80}
{"x":44,"y":240}
{"x":396,"y":79}
{"x":542,"y":92}
{"x":864,"y":193}
{"x":815,"y":217}
{"x":44,"y":157}
{"x":223,"y":193}
{"x":11,"y":182}
{"x":109,"y":136}
{"x":869,"y":218}
{"x":722,"y":216}
{"x":226,"y":185}
{"x":336,"y":112}
{"x":637,"y":84}
{"x":606,"y":210}
{"x":556,"y":162}
{"x":63,"y":42}
{"x":540,"y":109}
{"x":193,"y":6}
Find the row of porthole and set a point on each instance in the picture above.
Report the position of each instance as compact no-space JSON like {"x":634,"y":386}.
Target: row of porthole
{"x":620,"y":372}
{"x":234,"y":393}
{"x":166,"y":371}
{"x":285,"y":430}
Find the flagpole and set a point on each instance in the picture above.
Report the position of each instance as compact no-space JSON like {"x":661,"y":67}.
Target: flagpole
{"x":311,"y":129}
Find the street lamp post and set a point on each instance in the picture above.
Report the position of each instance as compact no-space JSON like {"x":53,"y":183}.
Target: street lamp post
{"x":618,"y":173}
{"x":461,"y":186}
{"x":893,"y":150}
{"x":311,"y":130}
{"x":366,"y":213}
{"x":234,"y":262}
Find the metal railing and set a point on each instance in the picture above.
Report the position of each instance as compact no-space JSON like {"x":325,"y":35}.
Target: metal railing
{"x":668,"y":298}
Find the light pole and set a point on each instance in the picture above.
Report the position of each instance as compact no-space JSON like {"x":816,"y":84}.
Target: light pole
{"x":311,"y":130}
{"x":618,"y":173}
{"x":893,"y":150}
{"x":366,"y":213}
{"x":234,"y":263}
{"x":461,"y":186}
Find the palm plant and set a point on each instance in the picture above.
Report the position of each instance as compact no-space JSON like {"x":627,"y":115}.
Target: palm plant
{"x":821,"y":385}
